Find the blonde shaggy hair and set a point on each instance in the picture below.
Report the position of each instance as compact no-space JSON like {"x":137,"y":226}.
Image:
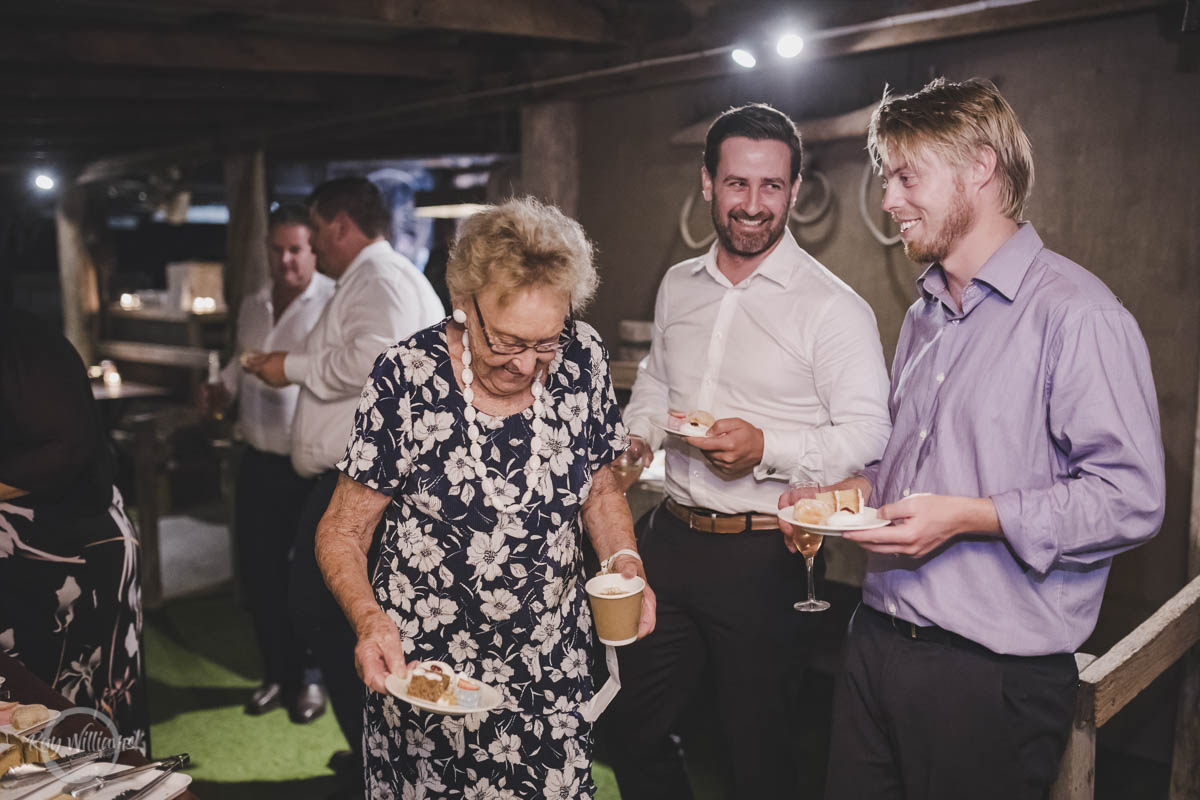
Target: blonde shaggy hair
{"x":522,"y":243}
{"x":955,"y":120}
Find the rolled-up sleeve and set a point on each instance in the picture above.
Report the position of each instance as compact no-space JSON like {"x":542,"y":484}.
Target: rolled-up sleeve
{"x":1103,"y":418}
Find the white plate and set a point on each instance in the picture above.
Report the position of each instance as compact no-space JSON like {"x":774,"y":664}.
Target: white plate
{"x":171,"y":787}
{"x":660,"y":422}
{"x":10,"y":729}
{"x":489,"y":698}
{"x":785,"y":514}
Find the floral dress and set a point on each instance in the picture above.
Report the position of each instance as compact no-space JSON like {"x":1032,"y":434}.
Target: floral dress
{"x":495,"y":593}
{"x":70,"y":597}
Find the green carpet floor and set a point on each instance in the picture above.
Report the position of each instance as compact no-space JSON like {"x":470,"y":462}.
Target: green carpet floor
{"x":201,"y":667}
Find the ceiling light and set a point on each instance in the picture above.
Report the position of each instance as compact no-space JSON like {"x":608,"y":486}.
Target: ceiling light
{"x":743,"y":58}
{"x":449,"y":210}
{"x":43,"y":182}
{"x":789,"y":45}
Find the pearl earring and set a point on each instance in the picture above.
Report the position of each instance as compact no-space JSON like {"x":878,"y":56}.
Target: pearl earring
{"x":460,"y":316}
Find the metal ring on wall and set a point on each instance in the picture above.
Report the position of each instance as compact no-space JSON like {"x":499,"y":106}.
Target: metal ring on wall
{"x":808,"y":219}
{"x":879,"y":235}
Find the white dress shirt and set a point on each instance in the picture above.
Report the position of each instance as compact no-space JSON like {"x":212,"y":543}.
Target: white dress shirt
{"x":791,"y":349}
{"x":379,"y":300}
{"x":265,"y":414}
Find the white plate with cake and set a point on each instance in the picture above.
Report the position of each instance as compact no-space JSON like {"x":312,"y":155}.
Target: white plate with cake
{"x":833,"y":513}
{"x":684,"y":423}
{"x":435,"y":686}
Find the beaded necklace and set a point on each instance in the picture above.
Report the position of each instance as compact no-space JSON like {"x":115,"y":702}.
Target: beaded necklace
{"x":491,"y":497}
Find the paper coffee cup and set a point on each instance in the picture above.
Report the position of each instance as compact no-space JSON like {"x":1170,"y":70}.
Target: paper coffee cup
{"x":616,"y":607}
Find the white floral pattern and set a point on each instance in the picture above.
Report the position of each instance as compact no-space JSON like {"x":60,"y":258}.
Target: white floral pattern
{"x":495,"y":593}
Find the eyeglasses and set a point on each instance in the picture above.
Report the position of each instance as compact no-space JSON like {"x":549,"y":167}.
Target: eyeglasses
{"x":512,"y":348}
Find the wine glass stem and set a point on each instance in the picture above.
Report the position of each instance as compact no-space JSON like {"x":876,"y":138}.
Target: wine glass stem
{"x":808,"y":563}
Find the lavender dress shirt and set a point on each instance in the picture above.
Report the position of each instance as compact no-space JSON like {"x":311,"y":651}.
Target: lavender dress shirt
{"x":1038,"y":395}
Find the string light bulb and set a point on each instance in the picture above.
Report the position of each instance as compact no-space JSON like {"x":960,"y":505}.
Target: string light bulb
{"x":743,"y":58}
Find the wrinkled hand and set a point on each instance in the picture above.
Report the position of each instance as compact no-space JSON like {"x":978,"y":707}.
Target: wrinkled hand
{"x":638,"y":449}
{"x":924,"y":522}
{"x":380,"y":651}
{"x":629,"y":465}
{"x":629,"y":567}
{"x":212,"y":398}
{"x":733,"y":446}
{"x":268,"y":367}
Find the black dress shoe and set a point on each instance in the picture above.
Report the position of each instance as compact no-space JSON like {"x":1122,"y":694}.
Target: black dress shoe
{"x":345,"y":762}
{"x":266,"y":698}
{"x":308,"y":705}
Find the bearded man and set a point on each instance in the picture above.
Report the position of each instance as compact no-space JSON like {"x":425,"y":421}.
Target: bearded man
{"x":1025,"y":453}
{"x":787,"y":358}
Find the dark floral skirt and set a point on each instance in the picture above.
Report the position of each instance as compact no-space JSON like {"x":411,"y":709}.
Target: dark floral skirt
{"x":71,"y":608}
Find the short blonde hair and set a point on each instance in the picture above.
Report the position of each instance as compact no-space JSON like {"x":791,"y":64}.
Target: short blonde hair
{"x":521,"y":243}
{"x":955,"y":120}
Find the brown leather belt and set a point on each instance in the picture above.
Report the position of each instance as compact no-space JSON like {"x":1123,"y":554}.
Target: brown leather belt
{"x":706,"y":521}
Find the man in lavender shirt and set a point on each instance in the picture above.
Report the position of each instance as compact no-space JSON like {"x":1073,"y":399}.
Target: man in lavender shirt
{"x":1025,"y":453}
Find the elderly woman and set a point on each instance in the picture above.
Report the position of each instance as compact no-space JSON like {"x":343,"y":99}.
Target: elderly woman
{"x":483,"y":441}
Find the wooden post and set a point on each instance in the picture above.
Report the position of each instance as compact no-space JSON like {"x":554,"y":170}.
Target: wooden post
{"x":1185,"y":762}
{"x":77,"y":272}
{"x":1077,"y":770}
{"x":550,"y":154}
{"x":246,"y":268}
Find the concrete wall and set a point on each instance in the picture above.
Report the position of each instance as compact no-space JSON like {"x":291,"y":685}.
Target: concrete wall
{"x":1115,"y":125}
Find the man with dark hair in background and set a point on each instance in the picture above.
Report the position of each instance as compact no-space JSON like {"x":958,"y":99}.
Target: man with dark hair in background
{"x":380,"y":298}
{"x":787,"y":358}
{"x":270,"y":493}
{"x":1025,"y":453}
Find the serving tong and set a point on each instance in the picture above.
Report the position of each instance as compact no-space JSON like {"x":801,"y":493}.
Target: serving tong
{"x":169,"y":765}
{"x":24,"y":773}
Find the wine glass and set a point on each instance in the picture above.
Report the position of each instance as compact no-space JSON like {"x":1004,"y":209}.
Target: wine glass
{"x":808,"y":542}
{"x":628,"y":467}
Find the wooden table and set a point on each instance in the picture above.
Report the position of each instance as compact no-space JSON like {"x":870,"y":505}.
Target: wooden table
{"x":25,"y":687}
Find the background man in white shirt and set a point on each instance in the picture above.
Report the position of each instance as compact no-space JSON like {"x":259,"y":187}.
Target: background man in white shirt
{"x":787,"y":358}
{"x":380,"y":299}
{"x":269,"y":492}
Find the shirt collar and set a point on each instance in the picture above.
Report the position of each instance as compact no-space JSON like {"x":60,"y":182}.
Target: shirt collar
{"x":1003,"y":271}
{"x":373,"y":249}
{"x":266,"y":293}
{"x":778,"y":266}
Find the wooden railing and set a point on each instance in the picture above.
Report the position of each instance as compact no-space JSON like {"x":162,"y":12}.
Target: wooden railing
{"x":1107,"y":683}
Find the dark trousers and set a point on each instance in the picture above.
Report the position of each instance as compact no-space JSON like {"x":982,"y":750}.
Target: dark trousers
{"x":725,"y":604}
{"x":939,"y":716}
{"x":320,"y":620}
{"x":270,"y":496}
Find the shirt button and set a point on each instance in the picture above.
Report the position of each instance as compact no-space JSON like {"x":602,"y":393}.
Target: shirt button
{"x":718,"y":334}
{"x":695,"y":474}
{"x":923,"y":433}
{"x":891,"y":608}
{"x":941,"y":377}
{"x":770,"y":470}
{"x":906,"y":492}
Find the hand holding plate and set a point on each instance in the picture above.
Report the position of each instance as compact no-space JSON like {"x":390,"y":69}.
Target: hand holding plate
{"x":733,"y":446}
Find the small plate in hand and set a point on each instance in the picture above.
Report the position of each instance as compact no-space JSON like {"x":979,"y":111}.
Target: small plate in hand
{"x":489,"y":697}
{"x":868,"y":513}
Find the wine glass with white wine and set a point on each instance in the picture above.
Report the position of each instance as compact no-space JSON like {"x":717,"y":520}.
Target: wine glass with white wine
{"x":808,"y":542}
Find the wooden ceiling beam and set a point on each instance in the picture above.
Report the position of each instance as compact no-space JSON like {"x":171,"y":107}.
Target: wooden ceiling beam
{"x":117,"y":84}
{"x":672,"y":69}
{"x":567,"y":20}
{"x":207,"y":50}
